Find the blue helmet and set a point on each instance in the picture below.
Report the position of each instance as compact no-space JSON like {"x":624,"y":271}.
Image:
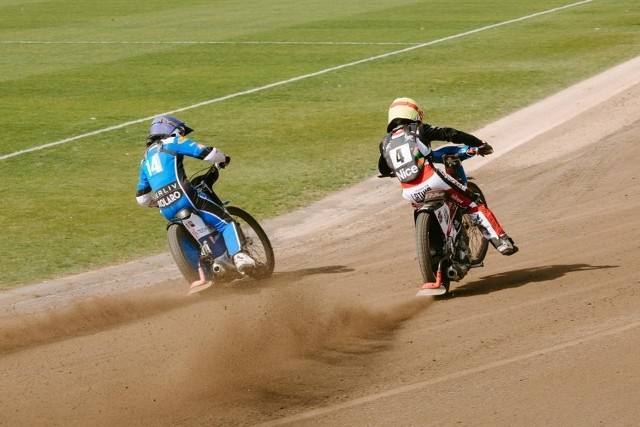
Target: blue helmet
{"x":168,"y":125}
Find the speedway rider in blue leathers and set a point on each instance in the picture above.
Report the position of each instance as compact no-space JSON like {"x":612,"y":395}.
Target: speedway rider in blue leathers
{"x":163,"y":182}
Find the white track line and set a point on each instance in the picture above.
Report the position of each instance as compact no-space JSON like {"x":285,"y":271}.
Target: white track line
{"x":455,"y":375}
{"x":294,"y":79}
{"x":212,"y":42}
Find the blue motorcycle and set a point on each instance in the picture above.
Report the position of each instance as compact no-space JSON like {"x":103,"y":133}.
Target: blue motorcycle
{"x":199,"y":251}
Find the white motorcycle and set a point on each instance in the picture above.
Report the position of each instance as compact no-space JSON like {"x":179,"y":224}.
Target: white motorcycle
{"x":449,"y":243}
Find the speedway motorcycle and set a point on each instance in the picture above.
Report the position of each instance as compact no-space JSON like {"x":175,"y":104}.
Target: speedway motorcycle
{"x":199,"y":251}
{"x":449,"y":242}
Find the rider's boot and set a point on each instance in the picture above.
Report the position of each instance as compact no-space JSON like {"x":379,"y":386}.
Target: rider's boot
{"x":504,"y":244}
{"x":243,"y":261}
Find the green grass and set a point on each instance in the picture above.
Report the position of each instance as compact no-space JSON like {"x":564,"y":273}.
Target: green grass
{"x":70,"y":208}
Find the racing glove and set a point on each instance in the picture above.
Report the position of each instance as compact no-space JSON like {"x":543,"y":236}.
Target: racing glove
{"x":224,"y":164}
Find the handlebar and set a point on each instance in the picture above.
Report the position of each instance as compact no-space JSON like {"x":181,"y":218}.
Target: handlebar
{"x":209,"y":177}
{"x":452,"y":156}
{"x":460,"y":152}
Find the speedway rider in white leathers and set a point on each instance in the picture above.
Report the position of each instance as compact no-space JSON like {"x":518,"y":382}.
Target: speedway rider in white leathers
{"x":405,"y":152}
{"x":163,"y":182}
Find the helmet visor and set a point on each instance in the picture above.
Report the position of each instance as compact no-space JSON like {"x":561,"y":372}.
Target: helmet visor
{"x":167,"y":125}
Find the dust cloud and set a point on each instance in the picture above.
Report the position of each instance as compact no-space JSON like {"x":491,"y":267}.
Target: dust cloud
{"x":77,"y":318}
{"x":298,"y":348}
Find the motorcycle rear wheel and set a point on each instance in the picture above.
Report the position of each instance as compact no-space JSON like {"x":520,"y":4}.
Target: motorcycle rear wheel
{"x":255,"y":242}
{"x":185,"y":251}
{"x":478,"y":245}
{"x":430,"y":246}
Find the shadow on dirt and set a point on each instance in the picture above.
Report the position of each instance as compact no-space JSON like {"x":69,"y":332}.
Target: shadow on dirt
{"x":517,"y":278}
{"x":299,"y":274}
{"x":278,"y":279}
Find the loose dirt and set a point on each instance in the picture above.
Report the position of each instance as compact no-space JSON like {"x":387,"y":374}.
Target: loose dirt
{"x":549,"y":336}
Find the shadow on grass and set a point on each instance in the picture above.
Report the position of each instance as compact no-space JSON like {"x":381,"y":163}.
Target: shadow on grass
{"x":517,"y":278}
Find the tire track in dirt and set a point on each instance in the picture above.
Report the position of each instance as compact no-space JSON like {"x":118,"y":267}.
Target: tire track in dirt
{"x":604,"y":333}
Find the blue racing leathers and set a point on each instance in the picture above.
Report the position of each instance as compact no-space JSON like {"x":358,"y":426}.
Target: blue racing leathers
{"x":163,"y":183}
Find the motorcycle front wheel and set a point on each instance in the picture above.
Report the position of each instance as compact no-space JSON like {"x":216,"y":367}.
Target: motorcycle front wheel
{"x":478,"y":245}
{"x":255,"y":242}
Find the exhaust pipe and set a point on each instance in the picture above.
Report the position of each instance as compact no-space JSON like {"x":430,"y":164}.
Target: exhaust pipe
{"x":456,"y":272}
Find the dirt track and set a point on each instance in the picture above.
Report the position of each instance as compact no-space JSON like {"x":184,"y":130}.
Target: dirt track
{"x":550,"y":336}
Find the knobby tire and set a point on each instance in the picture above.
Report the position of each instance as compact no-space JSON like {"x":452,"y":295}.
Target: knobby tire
{"x":426,"y":249}
{"x":185,"y":251}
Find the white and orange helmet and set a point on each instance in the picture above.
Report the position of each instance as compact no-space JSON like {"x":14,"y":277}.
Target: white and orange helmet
{"x":405,"y":108}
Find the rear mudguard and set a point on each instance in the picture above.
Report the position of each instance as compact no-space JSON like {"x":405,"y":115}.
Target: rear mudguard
{"x":180,"y":216}
{"x":433,"y":201}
